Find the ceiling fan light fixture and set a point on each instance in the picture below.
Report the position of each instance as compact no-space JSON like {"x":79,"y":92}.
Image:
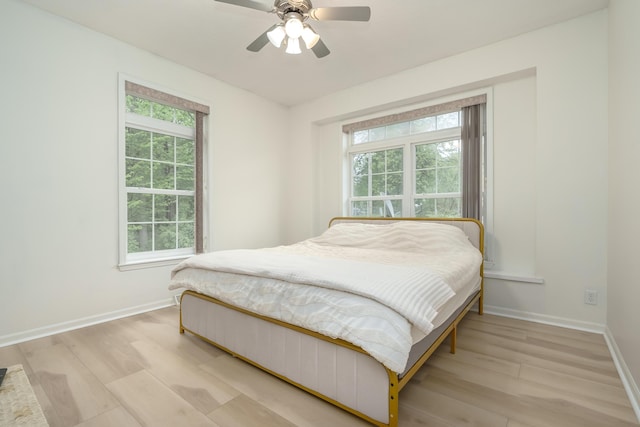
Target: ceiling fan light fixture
{"x":293,"y":14}
{"x":310,"y":37}
{"x":293,"y":46}
{"x":277,"y":35}
{"x":293,"y":26}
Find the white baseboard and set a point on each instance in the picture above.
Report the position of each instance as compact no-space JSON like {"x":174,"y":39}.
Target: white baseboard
{"x":630,"y":386}
{"x":562,"y":322}
{"x":57,"y":328}
{"x":625,"y":374}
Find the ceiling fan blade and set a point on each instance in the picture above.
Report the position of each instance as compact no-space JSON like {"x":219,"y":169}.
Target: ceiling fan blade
{"x":252,"y":4}
{"x":320,"y":49}
{"x":346,"y":13}
{"x":261,"y":41}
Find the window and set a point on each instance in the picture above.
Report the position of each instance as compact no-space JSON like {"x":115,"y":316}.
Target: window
{"x":411,"y":164}
{"x":437,"y":171}
{"x":161,"y":170}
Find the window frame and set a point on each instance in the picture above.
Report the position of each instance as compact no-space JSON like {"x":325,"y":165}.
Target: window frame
{"x":408,"y":144}
{"x":374,"y":198}
{"x":445,"y":135}
{"x":128,"y":85}
{"x":385,"y":116}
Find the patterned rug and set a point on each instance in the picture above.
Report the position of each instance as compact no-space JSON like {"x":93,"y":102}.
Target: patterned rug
{"x":18,"y":403}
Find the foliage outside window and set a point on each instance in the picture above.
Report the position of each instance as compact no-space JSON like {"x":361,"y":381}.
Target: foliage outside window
{"x":411,"y":168}
{"x":161,"y":147}
{"x":159,"y":180}
{"x":437,"y":179}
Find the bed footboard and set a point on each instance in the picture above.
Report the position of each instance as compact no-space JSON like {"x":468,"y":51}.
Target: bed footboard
{"x":341,"y":374}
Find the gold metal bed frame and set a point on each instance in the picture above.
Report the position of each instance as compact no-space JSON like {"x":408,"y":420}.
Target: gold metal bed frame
{"x":217,"y":336}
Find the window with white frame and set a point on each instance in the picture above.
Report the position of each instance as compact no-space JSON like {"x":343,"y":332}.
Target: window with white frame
{"x":161,"y":176}
{"x":410,"y":164}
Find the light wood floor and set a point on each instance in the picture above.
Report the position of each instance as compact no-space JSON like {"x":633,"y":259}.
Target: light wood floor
{"x":139,"y":371}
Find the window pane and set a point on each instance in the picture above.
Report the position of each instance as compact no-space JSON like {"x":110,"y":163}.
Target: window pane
{"x":139,"y":207}
{"x":186,"y":208}
{"x":186,"y":118}
{"x":426,"y":156}
{"x":138,"y":143}
{"x":378,"y":162}
{"x":425,"y":208}
{"x":162,"y":112}
{"x":449,"y":153}
{"x":397,"y":207}
{"x":360,"y":136}
{"x":185,"y":178}
{"x":377,"y":134}
{"x":377,"y":208}
{"x":426,"y":181}
{"x":394,"y":184}
{"x":163,"y":176}
{"x":139,"y":238}
{"x":163,"y":147}
{"x":138,"y":173}
{"x":165,"y":236}
{"x":378,"y":185}
{"x":386,"y":208}
{"x":426,"y":124}
{"x":186,"y":235}
{"x":360,"y":208}
{"x":449,"y":180}
{"x":164,"y":208}
{"x":438,"y":168}
{"x":360,"y":164}
{"x":394,"y":160}
{"x":448,"y":207}
{"x":185,"y":151}
{"x":398,"y":129}
{"x":138,"y":106}
{"x":449,"y":120}
{"x":360,"y":186}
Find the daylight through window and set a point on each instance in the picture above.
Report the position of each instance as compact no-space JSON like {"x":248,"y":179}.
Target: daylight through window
{"x":160,"y":174}
{"x":409,"y":164}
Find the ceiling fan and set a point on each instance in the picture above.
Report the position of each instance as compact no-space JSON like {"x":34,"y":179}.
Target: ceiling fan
{"x":294,"y":14}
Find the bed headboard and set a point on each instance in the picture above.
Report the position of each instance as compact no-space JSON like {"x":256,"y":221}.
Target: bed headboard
{"x":471,"y":227}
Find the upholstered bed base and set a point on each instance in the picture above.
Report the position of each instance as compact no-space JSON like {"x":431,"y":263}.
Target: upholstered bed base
{"x":300,"y":357}
{"x":341,"y":374}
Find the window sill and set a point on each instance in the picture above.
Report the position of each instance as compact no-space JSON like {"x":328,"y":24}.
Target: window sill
{"x":501,"y":275}
{"x":139,"y":265}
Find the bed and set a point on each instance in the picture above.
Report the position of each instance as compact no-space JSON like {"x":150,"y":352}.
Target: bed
{"x":348,"y":316}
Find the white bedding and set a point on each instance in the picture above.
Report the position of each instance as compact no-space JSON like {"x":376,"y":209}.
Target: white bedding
{"x":366,"y":284}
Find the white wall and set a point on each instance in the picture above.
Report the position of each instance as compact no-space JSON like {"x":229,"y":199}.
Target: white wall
{"x":550,"y":123}
{"x":59,"y":216}
{"x":623,"y":315}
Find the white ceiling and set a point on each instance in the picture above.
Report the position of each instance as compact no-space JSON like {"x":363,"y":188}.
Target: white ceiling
{"x":211,"y":37}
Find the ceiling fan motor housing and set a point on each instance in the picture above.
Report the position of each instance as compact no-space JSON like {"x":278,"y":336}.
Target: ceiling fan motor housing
{"x":283,"y":7}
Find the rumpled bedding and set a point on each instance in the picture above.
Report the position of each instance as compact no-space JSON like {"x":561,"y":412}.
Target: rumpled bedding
{"x":368,"y":284}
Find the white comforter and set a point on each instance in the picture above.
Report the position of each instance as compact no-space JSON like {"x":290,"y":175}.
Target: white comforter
{"x":366,"y":284}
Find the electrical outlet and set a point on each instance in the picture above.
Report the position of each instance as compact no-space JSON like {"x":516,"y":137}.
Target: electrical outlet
{"x":590,"y":297}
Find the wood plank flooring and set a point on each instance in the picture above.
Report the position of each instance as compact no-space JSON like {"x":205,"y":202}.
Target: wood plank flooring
{"x":139,"y":371}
